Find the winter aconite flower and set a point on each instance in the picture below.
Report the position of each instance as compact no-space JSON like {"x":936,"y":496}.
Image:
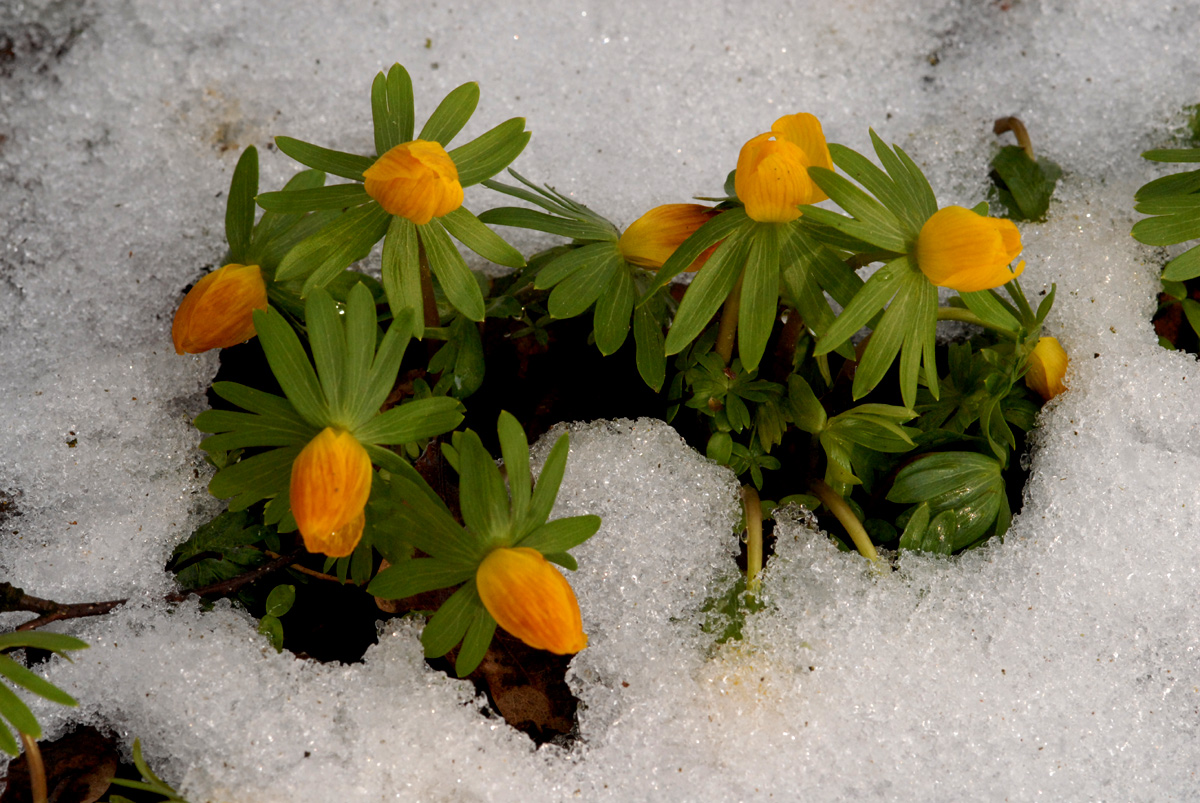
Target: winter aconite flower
{"x":416,"y":180}
{"x":331,"y":480}
{"x":530,"y":599}
{"x":218,"y":312}
{"x":651,"y":239}
{"x":1047,"y":367}
{"x":772,"y":170}
{"x":968,"y":252}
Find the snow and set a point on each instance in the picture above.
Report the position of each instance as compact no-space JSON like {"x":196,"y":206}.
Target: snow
{"x":1063,"y":664}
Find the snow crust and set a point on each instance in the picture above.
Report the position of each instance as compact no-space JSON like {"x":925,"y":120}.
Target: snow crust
{"x":1063,"y":664}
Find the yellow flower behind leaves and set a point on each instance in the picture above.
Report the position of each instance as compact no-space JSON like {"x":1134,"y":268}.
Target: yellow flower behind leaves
{"x":772,"y":170}
{"x":331,"y":480}
{"x":651,"y":239}
{"x":967,"y":252}
{"x":218,"y":312}
{"x":530,"y":599}
{"x":416,"y":180}
{"x":1047,"y":367}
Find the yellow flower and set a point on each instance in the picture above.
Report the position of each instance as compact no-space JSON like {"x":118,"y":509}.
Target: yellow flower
{"x":530,"y":599}
{"x":651,"y":239}
{"x":772,"y":169}
{"x":331,"y":480}
{"x":968,"y":252}
{"x":417,"y":180}
{"x":1047,"y":367}
{"x":218,"y":312}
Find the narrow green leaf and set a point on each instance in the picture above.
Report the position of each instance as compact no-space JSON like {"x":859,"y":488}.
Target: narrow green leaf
{"x":914,"y":530}
{"x":514,"y":447}
{"x":760,"y":295}
{"x":918,"y":198}
{"x":491,"y":152}
{"x":1183,"y":267}
{"x":451,"y":114}
{"x":254,"y":478}
{"x":561,"y":534}
{"x":52,"y":642}
{"x":482,"y":496}
{"x":708,"y":291}
{"x":400,"y":102}
{"x":807,"y":411}
{"x":344,"y":240}
{"x":17,"y":713}
{"x":1170,"y":204}
{"x":991,"y":308}
{"x":458,"y":283}
{"x":291,"y":367}
{"x":334,"y":196}
{"x":450,"y":623}
{"x":1174,"y":184}
{"x":414,"y":421}
{"x":1173,"y":155}
{"x":361,"y":334}
{"x":475,"y":643}
{"x":917,"y":184}
{"x":719,"y":447}
{"x":651,"y":358}
{"x":467,"y":229}
{"x":34,"y":683}
{"x":719,"y":227}
{"x":564,"y":559}
{"x":386,"y":366}
{"x":546,"y":490}
{"x":1168,"y":229}
{"x":613,"y":309}
{"x":879,"y":184}
{"x":7,"y":743}
{"x":239,"y":209}
{"x":888,"y":336}
{"x":242,"y":430}
{"x":967,"y":483}
{"x":327,"y":338}
{"x":256,"y":401}
{"x":573,"y":261}
{"x":878,"y":290}
{"x":402,"y":273}
{"x":517,"y":217}
{"x":346,"y":165}
{"x":574,"y":294}
{"x":881,"y":226}
{"x":416,"y":577}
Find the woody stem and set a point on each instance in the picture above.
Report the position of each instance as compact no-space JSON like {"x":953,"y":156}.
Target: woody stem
{"x":729,"y":323}
{"x":838,"y":507}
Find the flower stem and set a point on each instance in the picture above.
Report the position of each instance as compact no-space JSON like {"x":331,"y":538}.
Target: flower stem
{"x":37,"y":768}
{"x":966,"y":316}
{"x":429,"y":301}
{"x":1014,"y":125}
{"x":729,"y":323}
{"x":754,"y":536}
{"x":838,"y":507}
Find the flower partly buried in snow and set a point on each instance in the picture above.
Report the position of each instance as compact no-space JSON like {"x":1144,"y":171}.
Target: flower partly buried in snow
{"x":651,"y":239}
{"x":331,"y":480}
{"x":1047,"y":367}
{"x":772,"y":170}
{"x":416,"y":180}
{"x":967,"y":252}
{"x":530,"y":599}
{"x":218,"y":311}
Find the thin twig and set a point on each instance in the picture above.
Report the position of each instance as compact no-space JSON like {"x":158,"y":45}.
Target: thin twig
{"x":310,"y":572}
{"x":1019,"y":131}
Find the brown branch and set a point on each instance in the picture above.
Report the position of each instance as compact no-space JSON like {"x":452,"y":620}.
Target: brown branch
{"x":14,"y":599}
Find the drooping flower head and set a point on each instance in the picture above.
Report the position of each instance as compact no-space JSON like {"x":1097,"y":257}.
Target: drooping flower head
{"x":331,"y":480}
{"x":772,"y":170}
{"x":1047,"y":367}
{"x":967,"y":252}
{"x":651,"y":239}
{"x":416,"y":180}
{"x":218,"y":312}
{"x":530,"y":599}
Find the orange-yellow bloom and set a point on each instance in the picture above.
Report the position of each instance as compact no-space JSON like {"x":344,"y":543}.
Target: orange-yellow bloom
{"x":772,"y":169}
{"x":530,"y":599}
{"x":218,"y":312}
{"x":417,"y":180}
{"x":651,"y":239}
{"x":968,"y":252}
{"x":331,"y":480}
{"x":1047,"y":367}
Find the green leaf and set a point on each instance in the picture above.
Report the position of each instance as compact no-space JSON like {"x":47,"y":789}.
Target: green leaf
{"x":32,"y":682}
{"x":491,"y":152}
{"x":402,"y":273}
{"x":291,"y":367}
{"x":988,"y":305}
{"x":908,"y":178}
{"x":1174,"y":184}
{"x":514,"y":447}
{"x":760,"y":295}
{"x":475,"y":643}
{"x":467,"y":229}
{"x":361,"y":333}
{"x":561,"y":535}
{"x":242,"y":430}
{"x":413,"y":512}
{"x":967,"y":483}
{"x":52,"y":642}
{"x":327,"y":339}
{"x":482,"y":496}
{"x":1183,"y":267}
{"x":719,"y":447}
{"x":651,"y":358}
{"x":878,"y":290}
{"x":347,"y":239}
{"x":335,"y":196}
{"x":392,"y":109}
{"x":563,"y":559}
{"x":418,"y":576}
{"x":272,"y":628}
{"x":914,"y":530}
{"x":806,"y":410}
{"x":346,"y":165}
{"x":563,"y":267}
{"x":709,"y":289}
{"x":458,"y":283}
{"x":1191,"y":308}
{"x":385,"y":366}
{"x":18,"y":714}
{"x":218,"y":550}
{"x":254,"y":478}
{"x":546,"y":490}
{"x":413,"y":421}
{"x":879,"y":184}
{"x":575,"y":229}
{"x":1024,"y":187}
{"x":450,"y":623}
{"x":451,"y":114}
{"x":1173,"y":155}
{"x":613,"y":308}
{"x":1169,"y":229}
{"x":281,"y":599}
{"x":574,"y":294}
{"x":239,"y":209}
{"x":872,"y":221}
{"x":719,"y":227}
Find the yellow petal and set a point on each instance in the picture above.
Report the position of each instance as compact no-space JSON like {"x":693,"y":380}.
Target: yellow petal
{"x":651,"y":239}
{"x":530,"y":599}
{"x":805,"y":131}
{"x":967,"y":252}
{"x":331,"y":480}
{"x":1047,"y":367}
{"x":416,"y":180}
{"x":218,"y":312}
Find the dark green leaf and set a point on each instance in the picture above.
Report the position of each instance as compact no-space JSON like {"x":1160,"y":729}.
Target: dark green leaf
{"x":345,"y":240}
{"x":878,"y":290}
{"x":402,"y":273}
{"x":475,"y":643}
{"x":1173,"y":155}
{"x":450,"y":623}
{"x":335,"y":196}
{"x":254,"y":478}
{"x":872,"y":221}
{"x":651,"y":359}
{"x":491,"y":152}
{"x":613,"y":309}
{"x":806,"y":410}
{"x":967,"y":483}
{"x":575,"y":293}
{"x":1024,"y":186}
{"x":239,"y":209}
{"x":482,"y":496}
{"x":561,"y":535}
{"x":709,"y":289}
{"x":392,"y":109}
{"x":32,"y":682}
{"x":385,"y":366}
{"x":451,"y":114}
{"x":51,"y":642}
{"x":1174,"y":184}
{"x":909,"y":179}
{"x":719,"y":447}
{"x":719,"y":227}
{"x":760,"y":295}
{"x":218,"y":550}
{"x":458,"y":283}
{"x":414,"y":421}
{"x":1168,"y":229}
{"x":272,"y":628}
{"x":879,"y":184}
{"x":18,"y":714}
{"x":1183,"y":267}
{"x":281,"y":599}
{"x":291,"y":367}
{"x":515,"y":449}
{"x":346,"y":165}
{"x":564,"y":559}
{"x":467,"y":229}
{"x":327,"y":339}
{"x":517,"y":217}
{"x":546,"y":490}
{"x":361,"y":335}
{"x":575,"y":260}
{"x":418,"y":576}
